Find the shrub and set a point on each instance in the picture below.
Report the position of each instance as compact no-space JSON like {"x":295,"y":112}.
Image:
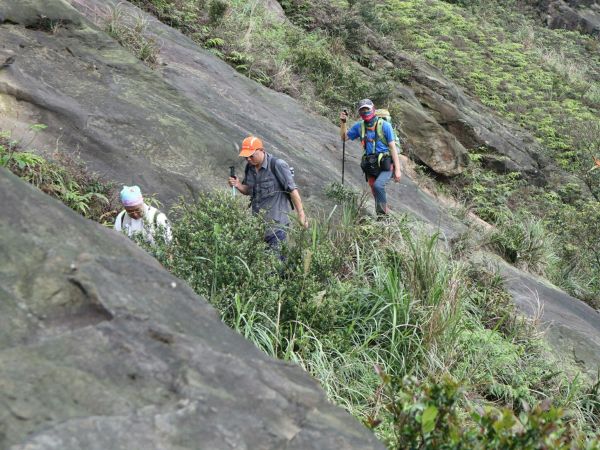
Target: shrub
{"x":428,"y":415}
{"x":353,"y":293}
{"x":219,"y":250}
{"x":217,"y":9}
{"x":63,"y":177}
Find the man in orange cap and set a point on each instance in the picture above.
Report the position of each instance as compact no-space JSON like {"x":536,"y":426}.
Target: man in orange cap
{"x":270,"y":184}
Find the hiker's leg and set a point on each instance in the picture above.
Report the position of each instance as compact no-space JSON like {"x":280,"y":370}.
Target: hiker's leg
{"x":379,"y":191}
{"x":274,"y":241}
{"x":371,"y":180}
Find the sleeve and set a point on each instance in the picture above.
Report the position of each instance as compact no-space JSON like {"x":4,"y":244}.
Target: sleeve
{"x":165,"y":226}
{"x":354,"y":132}
{"x":119,"y":221}
{"x":284,"y":175}
{"x":388,"y":132}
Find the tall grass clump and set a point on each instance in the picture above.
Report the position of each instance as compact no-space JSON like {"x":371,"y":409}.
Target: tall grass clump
{"x":523,"y":240}
{"x":130,"y":31}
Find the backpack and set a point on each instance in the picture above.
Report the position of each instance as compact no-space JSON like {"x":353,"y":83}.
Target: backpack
{"x":382,"y":114}
{"x":272,"y":169}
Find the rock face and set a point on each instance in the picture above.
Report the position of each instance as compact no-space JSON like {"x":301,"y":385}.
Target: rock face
{"x":97,"y":349}
{"x":571,"y":326}
{"x":172,"y":130}
{"x":472,"y":125}
{"x":100,"y":348}
{"x":579,"y":15}
{"x":442,"y":123}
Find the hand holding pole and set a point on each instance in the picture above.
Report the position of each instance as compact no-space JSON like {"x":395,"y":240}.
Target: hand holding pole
{"x":232,"y":175}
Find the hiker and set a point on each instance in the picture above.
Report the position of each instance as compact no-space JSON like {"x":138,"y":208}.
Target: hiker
{"x":380,"y":158}
{"x":270,"y":184}
{"x":138,"y":217}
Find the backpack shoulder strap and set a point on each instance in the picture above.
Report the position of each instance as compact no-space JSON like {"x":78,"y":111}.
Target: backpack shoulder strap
{"x":281,"y":185}
{"x":274,"y":172}
{"x":122,"y":214}
{"x":380,"y":133}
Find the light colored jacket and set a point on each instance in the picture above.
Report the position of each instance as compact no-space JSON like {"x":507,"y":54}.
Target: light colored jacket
{"x":152,"y":222}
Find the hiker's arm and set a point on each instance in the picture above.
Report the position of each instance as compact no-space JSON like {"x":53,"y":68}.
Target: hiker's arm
{"x":395,"y":160}
{"x":236,"y":183}
{"x":297,"y":201}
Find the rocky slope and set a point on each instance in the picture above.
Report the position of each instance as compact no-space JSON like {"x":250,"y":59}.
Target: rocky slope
{"x":174,"y":130}
{"x":579,"y":15}
{"x":101,"y":348}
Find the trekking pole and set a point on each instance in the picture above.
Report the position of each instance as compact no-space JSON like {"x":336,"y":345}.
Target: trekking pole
{"x":344,"y":152}
{"x":232,"y":175}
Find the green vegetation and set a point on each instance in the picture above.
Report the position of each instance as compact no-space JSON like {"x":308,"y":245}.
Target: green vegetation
{"x":425,"y":350}
{"x":130,"y":32}
{"x":362,"y":307}
{"x":329,"y":53}
{"x":62,"y":176}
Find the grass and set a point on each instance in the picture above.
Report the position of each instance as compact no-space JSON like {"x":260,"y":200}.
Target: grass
{"x":385,"y":318}
{"x":130,"y":31}
{"x":361,"y":306}
{"x":358,"y":300}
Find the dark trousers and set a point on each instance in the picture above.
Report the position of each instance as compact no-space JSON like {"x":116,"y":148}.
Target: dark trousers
{"x":274,"y":240}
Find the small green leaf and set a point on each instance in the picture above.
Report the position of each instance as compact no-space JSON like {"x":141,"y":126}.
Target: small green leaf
{"x":428,"y":419}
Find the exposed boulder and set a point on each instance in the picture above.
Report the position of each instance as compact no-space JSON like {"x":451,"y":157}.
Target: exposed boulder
{"x":441,"y":114}
{"x":275,"y":8}
{"x":509,"y":149}
{"x":579,"y":15}
{"x":429,"y":142}
{"x":173,"y":130}
{"x":101,"y":348}
{"x":572,"y":327}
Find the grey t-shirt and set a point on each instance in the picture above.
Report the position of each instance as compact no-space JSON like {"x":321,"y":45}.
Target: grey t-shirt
{"x":268,"y":194}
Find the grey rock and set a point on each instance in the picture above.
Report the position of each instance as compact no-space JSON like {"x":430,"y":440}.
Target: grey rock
{"x":83,"y":360}
{"x":577,"y":15}
{"x":572,"y":327}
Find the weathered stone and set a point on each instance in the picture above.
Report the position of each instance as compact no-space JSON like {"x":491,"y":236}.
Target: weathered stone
{"x":572,"y":327}
{"x":172,"y":130}
{"x":85,"y":361}
{"x":474,"y":126}
{"x":578,"y":15}
{"x":457,"y":123}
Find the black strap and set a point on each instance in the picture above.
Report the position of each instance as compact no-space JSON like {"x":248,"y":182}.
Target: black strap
{"x":274,"y":172}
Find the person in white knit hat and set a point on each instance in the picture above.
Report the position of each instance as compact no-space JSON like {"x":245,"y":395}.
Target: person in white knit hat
{"x":138,"y":217}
